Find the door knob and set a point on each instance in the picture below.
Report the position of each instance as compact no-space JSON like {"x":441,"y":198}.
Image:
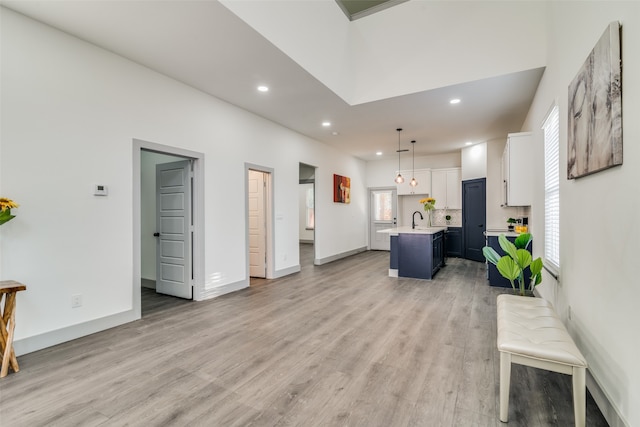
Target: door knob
{"x":156,"y":234}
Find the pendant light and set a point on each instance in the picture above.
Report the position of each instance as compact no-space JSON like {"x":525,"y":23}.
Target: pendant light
{"x":399,"y":178}
{"x":413,"y":182}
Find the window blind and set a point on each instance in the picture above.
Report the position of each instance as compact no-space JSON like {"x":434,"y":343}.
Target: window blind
{"x":551,"y":128}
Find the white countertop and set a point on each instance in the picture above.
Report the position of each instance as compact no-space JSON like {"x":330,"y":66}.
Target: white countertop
{"x":499,"y":232}
{"x":408,"y":230}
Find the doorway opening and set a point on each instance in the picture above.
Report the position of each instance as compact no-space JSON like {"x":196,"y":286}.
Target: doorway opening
{"x":307,"y":217}
{"x":259,"y":224}
{"x":383,"y":208}
{"x":168,"y":228}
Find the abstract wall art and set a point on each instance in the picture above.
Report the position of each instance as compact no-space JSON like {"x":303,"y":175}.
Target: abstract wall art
{"x":594,"y":134}
{"x":341,"y":189}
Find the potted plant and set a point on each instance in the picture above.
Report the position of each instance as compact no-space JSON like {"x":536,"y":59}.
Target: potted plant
{"x":512,"y":266}
{"x":429,"y":204}
{"x":5,"y":209}
{"x":511,"y":222}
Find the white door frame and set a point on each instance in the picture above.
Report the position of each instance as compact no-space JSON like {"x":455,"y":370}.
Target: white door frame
{"x":369,"y":220}
{"x":270,"y":248}
{"x":198,"y":217}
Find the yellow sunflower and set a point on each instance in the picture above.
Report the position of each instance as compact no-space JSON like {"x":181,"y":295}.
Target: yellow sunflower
{"x":7,"y":204}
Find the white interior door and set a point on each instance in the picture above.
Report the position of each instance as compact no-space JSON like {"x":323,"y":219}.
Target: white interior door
{"x":383,"y":214}
{"x":174,"y":228}
{"x":257,"y":224}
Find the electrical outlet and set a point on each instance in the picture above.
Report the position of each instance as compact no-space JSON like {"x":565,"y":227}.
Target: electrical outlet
{"x":76,"y":301}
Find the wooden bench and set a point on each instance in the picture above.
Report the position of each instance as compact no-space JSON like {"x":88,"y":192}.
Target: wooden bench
{"x":530,"y":333}
{"x":8,"y":291}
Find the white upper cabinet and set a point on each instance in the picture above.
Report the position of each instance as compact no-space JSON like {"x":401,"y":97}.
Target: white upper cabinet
{"x":446,"y":188}
{"x":423,"y":176}
{"x":517,"y":170}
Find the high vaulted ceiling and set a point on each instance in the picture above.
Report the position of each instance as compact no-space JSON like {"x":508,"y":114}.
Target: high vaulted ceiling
{"x":355,"y":9}
{"x":207,"y":46}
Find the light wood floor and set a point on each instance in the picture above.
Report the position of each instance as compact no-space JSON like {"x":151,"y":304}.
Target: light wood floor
{"x":335,"y":345}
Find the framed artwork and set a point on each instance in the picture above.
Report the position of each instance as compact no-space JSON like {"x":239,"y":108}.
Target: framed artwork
{"x":594,"y":131}
{"x":341,"y":189}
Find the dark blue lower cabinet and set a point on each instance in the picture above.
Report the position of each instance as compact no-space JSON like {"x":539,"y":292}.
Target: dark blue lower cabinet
{"x":393,"y":262}
{"x":453,"y":242}
{"x":438,"y":252}
{"x":420,"y":256}
{"x":495,"y":278}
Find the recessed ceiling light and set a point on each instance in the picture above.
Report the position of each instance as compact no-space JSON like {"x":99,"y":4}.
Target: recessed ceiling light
{"x":334,"y":133}
{"x":326,"y":124}
{"x":468,"y":143}
{"x":378,"y":153}
{"x":263,"y":88}
{"x":455,"y":101}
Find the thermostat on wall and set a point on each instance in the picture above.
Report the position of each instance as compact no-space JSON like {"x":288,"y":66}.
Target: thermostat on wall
{"x":100,"y":190}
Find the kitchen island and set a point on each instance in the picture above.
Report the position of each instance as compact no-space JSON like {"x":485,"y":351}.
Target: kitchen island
{"x":416,"y":253}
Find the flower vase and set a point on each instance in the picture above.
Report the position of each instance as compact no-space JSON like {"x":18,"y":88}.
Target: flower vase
{"x":429,"y":218}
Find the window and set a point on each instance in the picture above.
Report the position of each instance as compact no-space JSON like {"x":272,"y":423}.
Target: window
{"x":310,"y":216}
{"x":552,"y":188}
{"x":383,"y":205}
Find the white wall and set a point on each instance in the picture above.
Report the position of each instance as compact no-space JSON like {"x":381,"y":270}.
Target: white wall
{"x":474,"y":161}
{"x":599,"y":227}
{"x":70,"y":114}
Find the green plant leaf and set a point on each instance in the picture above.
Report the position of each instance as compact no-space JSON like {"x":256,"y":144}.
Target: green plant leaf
{"x":538,"y":279}
{"x":6,"y":216}
{"x":523,"y":240}
{"x":491,"y":255}
{"x":536,"y":266}
{"x":523,"y":258}
{"x":508,"y":268}
{"x":508,"y":247}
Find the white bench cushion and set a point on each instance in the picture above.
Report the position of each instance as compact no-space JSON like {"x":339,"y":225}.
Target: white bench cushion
{"x":529,"y":327}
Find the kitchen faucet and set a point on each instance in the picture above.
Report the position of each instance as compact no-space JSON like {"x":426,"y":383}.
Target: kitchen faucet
{"x":413,"y":219}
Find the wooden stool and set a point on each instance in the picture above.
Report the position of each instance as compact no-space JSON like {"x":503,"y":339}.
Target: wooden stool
{"x":8,"y":291}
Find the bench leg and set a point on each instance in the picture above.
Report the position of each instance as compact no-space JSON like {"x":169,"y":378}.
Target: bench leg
{"x":579,"y":396}
{"x":505,"y":381}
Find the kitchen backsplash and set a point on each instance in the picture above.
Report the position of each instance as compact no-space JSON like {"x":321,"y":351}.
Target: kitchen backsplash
{"x":407,"y":205}
{"x":438,"y":217}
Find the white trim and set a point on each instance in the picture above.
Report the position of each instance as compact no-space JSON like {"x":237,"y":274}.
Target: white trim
{"x":608,"y":409}
{"x":198,"y":217}
{"x":224,"y":289}
{"x":286,"y":271}
{"x":321,"y":261}
{"x":59,"y":336}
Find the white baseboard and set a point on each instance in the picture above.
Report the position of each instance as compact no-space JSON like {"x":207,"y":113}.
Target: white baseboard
{"x":286,"y":271}
{"x":222,"y":290}
{"x":609,"y":411}
{"x":49,"y":339}
{"x":321,"y":261}
{"x":393,"y":272}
